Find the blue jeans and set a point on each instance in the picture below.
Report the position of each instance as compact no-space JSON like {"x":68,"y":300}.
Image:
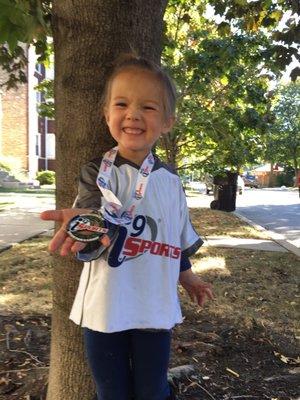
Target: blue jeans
{"x":130,"y":364}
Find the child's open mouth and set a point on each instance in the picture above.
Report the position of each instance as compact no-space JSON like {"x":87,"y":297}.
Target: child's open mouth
{"x":133,"y":131}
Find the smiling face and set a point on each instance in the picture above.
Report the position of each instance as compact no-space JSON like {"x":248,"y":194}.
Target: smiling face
{"x":135,"y":113}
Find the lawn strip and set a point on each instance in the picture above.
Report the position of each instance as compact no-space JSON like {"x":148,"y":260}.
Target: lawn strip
{"x":209,"y":222}
{"x":238,"y":342}
{"x":25,"y":278}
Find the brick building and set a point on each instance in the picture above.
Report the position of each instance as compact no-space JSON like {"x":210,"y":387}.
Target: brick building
{"x":24,"y":135}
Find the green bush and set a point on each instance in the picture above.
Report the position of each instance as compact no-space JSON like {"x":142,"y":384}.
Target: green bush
{"x":46,"y":177}
{"x":284,"y":179}
{"x":4,"y":166}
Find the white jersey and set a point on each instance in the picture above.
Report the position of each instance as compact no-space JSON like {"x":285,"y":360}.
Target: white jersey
{"x":133,"y":285}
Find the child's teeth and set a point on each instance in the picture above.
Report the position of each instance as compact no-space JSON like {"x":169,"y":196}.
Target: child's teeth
{"x":132,"y":130}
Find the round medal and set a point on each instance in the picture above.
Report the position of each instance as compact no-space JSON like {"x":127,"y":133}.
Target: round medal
{"x":86,"y":227}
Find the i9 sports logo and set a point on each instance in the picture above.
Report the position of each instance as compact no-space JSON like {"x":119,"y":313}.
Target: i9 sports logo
{"x":101,"y":182}
{"x":112,"y":152}
{"x":106,"y":164}
{"x":127,"y":215}
{"x":150,"y":159}
{"x":138,"y":194}
{"x":144,"y":172}
{"x":130,"y":245}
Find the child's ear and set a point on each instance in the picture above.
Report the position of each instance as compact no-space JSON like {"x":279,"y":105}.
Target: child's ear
{"x":168,"y":124}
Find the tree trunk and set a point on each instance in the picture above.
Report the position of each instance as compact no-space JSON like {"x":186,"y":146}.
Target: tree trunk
{"x":87,"y":35}
{"x":296,"y":168}
{"x":271,"y":175}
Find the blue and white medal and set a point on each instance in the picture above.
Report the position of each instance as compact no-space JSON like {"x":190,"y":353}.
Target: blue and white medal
{"x":113,"y":210}
{"x":90,"y":227}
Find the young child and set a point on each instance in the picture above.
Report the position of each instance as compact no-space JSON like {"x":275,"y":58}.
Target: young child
{"x":127,"y":299}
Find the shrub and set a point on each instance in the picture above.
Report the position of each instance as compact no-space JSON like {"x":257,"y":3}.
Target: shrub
{"x":4,"y":166}
{"x":46,"y":177}
{"x":284,"y":179}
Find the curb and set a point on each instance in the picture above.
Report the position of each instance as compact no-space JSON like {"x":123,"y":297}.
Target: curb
{"x":5,"y":247}
{"x":276,"y":237}
{"x":44,"y":232}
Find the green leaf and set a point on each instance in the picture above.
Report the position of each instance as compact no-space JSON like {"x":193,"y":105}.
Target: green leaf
{"x":224,"y":29}
{"x":12,"y":42}
{"x":224,"y":80}
{"x":276,"y":15}
{"x":295,"y":73}
{"x":240,"y":2}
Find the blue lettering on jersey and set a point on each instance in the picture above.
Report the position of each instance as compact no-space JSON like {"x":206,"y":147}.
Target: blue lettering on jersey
{"x":114,"y":259}
{"x":116,"y":256}
{"x":126,"y":247}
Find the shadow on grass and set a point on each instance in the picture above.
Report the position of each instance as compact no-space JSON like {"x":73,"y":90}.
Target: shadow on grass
{"x":249,"y":331}
{"x":241,"y":344}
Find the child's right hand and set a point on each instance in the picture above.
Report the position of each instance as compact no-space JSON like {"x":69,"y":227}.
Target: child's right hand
{"x":61,"y":239}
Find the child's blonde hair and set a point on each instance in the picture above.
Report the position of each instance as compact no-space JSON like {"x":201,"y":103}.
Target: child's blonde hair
{"x":132,"y":61}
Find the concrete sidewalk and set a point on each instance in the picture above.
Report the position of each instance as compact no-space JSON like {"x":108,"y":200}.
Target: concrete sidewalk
{"x":277,"y":239}
{"x":242,"y":243}
{"x":19,"y":224}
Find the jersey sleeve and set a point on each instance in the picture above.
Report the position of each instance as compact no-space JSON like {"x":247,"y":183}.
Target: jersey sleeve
{"x":190,"y":240}
{"x":89,"y":195}
{"x":185,"y":263}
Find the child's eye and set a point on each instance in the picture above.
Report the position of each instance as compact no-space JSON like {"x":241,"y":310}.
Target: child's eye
{"x":120,"y":104}
{"x":149,"y":108}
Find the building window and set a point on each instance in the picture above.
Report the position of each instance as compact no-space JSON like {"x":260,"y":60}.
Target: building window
{"x":37,"y":144}
{"x":50,"y":145}
{"x":39,"y":98}
{"x":38,"y":68}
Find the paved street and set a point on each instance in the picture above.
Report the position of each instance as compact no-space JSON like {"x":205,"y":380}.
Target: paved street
{"x":275,"y":209}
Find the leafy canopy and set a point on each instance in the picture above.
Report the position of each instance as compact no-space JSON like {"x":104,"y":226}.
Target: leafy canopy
{"x":222,"y":83}
{"x":22,"y":21}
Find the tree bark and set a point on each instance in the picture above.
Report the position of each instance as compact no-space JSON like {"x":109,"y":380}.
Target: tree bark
{"x":296,"y":168}
{"x":88,"y":35}
{"x":271,"y":175}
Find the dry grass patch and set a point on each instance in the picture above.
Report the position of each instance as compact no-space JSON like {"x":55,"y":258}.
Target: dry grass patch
{"x":252,"y":287}
{"x":220,"y":223}
{"x":238,"y":342}
{"x":25,"y":278}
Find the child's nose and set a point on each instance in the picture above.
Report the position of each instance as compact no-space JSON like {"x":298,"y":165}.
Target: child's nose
{"x":133,"y":114}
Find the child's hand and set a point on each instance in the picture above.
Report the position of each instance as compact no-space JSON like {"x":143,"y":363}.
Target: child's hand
{"x":197,"y":289}
{"x":61,"y":239}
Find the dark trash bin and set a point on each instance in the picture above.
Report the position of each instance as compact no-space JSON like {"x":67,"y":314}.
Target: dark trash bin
{"x":225,"y":187}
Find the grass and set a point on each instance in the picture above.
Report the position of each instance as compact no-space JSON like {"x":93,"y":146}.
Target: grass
{"x":25,"y":278}
{"x":3,"y":205}
{"x":25,"y":191}
{"x":252,"y":322}
{"x":252,"y":287}
{"x":249,"y":285}
{"x":218,"y":223}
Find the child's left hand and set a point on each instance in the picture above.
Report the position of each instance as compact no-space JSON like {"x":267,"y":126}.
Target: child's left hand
{"x":198,"y":290}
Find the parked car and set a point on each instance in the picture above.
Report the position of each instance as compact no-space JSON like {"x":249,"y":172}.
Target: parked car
{"x":210,"y":186}
{"x":240,"y":185}
{"x":196,"y":185}
{"x":251,"y":181}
